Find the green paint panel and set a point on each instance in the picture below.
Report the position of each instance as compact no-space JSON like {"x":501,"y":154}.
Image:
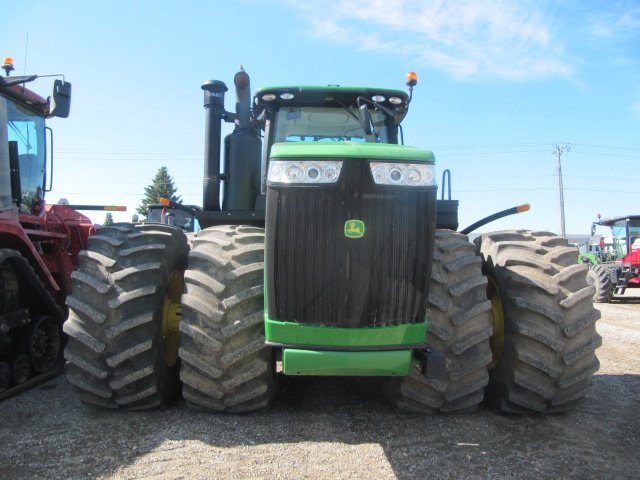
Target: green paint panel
{"x":295,"y":334}
{"x":374,"y":151}
{"x":310,"y":362}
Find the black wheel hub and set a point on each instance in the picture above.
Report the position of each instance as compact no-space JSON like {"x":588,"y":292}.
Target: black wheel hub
{"x":44,"y":344}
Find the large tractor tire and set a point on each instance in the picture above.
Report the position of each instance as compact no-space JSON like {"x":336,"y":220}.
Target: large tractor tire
{"x":599,"y":277}
{"x":459,"y":329}
{"x":225,"y":363}
{"x":543,"y":318}
{"x":124,"y":314}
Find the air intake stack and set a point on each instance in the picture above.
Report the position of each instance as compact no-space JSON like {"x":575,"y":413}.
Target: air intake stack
{"x":214,"y":106}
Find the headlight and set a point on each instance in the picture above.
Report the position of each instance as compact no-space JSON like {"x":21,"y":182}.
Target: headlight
{"x":403,"y":174}
{"x":284,"y":171}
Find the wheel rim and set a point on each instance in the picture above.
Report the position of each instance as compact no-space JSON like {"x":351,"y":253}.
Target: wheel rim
{"x":20,"y":369}
{"x":44,"y":344}
{"x":8,"y":289}
{"x":171,"y":316}
{"x":5,"y":376}
{"x":496,"y":317}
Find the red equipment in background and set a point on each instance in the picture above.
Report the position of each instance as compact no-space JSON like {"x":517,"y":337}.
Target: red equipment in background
{"x":39,"y":243}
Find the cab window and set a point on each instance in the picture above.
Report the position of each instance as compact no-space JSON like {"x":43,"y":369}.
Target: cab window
{"x":316,"y":124}
{"x":27,"y":130}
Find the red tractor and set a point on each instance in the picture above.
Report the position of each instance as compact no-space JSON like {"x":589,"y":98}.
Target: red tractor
{"x":39,"y":243}
{"x":614,"y":263}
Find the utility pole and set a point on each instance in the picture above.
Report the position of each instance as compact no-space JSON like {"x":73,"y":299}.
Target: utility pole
{"x":558,"y":152}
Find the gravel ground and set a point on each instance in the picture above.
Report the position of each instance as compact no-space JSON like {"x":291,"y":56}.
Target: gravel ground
{"x":323,"y":428}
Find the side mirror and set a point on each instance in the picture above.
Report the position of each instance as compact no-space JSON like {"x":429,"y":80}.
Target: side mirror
{"x":593,"y":229}
{"x":365,"y":119}
{"x":60,"y":99}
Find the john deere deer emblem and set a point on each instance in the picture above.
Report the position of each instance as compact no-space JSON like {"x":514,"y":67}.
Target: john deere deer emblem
{"x":354,"y":229}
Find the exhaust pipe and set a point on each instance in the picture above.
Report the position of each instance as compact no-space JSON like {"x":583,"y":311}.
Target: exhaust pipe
{"x":214,"y":107}
{"x":242,"y":148}
{"x":243,"y":98}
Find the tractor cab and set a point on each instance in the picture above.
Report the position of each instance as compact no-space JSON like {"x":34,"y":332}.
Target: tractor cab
{"x":320,"y":114}
{"x":23,"y":179}
{"x":183,"y":218}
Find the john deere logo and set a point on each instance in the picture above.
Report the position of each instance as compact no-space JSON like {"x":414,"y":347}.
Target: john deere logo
{"x":354,"y":229}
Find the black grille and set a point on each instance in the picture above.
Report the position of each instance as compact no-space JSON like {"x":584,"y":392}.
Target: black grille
{"x":318,"y":276}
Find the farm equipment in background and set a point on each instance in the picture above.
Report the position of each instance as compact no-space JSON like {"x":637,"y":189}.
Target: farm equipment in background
{"x":614,"y":261}
{"x":176,"y":214}
{"x":39,"y":243}
{"x":329,"y":254}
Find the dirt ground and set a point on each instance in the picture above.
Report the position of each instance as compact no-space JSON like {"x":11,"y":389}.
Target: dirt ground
{"x":321,"y":428}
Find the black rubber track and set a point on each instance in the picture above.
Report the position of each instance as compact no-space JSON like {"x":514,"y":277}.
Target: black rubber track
{"x":459,"y":329}
{"x":549,"y":333}
{"x":116,"y":310}
{"x":599,"y":277}
{"x":225,"y":364}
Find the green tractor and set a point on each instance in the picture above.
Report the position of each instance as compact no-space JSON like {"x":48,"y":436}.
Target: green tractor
{"x":324,"y":250}
{"x":614,"y":261}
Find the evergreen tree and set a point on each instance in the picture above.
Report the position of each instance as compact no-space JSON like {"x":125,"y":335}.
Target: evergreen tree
{"x":162,"y":187}
{"x":108,"y":219}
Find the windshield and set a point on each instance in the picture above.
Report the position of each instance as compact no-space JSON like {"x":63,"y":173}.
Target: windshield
{"x":315,"y":124}
{"x":619,"y":238}
{"x":634,"y":234}
{"x":27,"y":130}
{"x":170,"y":216}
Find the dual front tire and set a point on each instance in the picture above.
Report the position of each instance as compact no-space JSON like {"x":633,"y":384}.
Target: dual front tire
{"x":128,"y":314}
{"x":536,"y":303}
{"x":513,"y":317}
{"x":124,"y":315}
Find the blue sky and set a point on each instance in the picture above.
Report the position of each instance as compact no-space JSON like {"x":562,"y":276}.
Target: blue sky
{"x":501,"y":83}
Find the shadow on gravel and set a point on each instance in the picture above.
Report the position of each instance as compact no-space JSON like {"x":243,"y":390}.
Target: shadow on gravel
{"x":319,"y":418}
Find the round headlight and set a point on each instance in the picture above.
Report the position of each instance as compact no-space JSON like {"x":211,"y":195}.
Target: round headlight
{"x":295,"y":173}
{"x":268,"y":97}
{"x":395,"y":100}
{"x":379,"y":174}
{"x":286,"y":96}
{"x":313,"y":173}
{"x":276,"y":173}
{"x":395,"y":175}
{"x":413,"y":177}
{"x":330,"y":172}
{"x":378,"y":98}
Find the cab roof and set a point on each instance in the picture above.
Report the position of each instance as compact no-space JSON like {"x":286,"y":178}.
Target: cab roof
{"x":329,"y":96}
{"x":608,"y":222}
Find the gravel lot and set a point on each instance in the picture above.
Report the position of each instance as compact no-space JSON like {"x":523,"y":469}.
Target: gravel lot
{"x":321,"y":428}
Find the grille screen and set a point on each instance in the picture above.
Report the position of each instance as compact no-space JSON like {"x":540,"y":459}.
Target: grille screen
{"x":316,"y":275}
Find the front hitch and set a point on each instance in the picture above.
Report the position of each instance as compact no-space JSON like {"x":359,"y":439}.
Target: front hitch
{"x":432,"y":363}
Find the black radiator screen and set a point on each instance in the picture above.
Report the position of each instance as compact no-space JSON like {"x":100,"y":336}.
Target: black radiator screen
{"x":317,"y":275}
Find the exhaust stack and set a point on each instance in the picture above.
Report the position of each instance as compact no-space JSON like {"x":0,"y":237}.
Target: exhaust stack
{"x":242,"y":150}
{"x":214,"y":106}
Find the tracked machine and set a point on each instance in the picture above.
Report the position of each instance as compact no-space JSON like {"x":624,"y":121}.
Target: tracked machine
{"x":325,"y":250}
{"x":39,"y":242}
